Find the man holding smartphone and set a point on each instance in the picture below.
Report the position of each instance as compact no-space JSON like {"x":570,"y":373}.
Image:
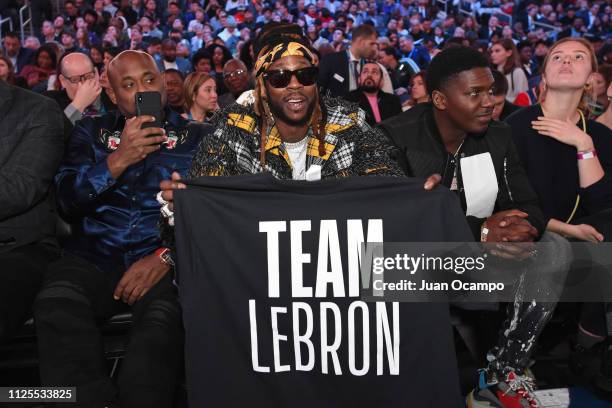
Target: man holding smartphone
{"x":113,"y":262}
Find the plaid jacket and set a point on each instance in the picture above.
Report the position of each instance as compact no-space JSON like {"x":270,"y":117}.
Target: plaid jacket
{"x":352,"y":147}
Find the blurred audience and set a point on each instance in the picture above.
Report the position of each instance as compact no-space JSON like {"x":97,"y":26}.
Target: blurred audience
{"x":43,"y":64}
{"x":339,"y":72}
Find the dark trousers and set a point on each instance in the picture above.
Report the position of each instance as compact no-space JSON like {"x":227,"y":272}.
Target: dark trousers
{"x":21,"y":274}
{"x":77,"y":297}
{"x":593,"y":315}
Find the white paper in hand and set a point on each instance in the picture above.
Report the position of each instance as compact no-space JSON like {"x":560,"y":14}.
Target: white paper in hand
{"x":313,"y":173}
{"x":479,"y":184}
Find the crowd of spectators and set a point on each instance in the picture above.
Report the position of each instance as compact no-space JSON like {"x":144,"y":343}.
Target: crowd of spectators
{"x":203,"y":36}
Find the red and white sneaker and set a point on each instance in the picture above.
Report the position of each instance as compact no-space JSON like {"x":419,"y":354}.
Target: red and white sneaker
{"x":516,"y":391}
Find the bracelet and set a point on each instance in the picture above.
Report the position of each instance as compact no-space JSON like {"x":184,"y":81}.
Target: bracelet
{"x":484,"y":231}
{"x":587,"y":154}
{"x":166,"y":212}
{"x":160,"y":199}
{"x":164,"y":255}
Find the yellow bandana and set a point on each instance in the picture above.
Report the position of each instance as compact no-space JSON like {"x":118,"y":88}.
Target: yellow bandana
{"x":287,"y":49}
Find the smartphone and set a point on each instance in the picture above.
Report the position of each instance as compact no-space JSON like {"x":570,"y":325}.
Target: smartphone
{"x":149,"y":103}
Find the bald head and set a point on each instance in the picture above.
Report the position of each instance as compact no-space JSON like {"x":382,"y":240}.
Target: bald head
{"x":74,"y":69}
{"x":131,"y":72}
{"x":127,"y":57}
{"x":236,"y":77}
{"x":74,"y":63}
{"x":233,"y":65}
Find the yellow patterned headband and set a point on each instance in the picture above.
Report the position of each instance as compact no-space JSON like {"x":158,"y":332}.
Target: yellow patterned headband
{"x":279,"y":51}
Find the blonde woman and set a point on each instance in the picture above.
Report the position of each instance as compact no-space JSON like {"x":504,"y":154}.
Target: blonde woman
{"x":568,"y":159}
{"x":200,"y":97}
{"x":566,"y":155}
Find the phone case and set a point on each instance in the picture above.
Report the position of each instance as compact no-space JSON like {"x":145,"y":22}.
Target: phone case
{"x":149,"y":103}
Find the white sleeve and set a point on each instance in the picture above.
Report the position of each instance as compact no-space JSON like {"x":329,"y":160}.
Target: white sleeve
{"x":520,"y":81}
{"x":517,"y":83}
{"x":387,"y":86}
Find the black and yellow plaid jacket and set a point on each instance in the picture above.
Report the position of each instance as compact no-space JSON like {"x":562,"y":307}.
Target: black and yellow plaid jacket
{"x":352,"y":147}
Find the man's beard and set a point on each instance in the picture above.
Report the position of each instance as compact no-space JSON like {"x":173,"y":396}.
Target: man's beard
{"x":369,"y":88}
{"x":279,"y":114}
{"x":170,"y":59}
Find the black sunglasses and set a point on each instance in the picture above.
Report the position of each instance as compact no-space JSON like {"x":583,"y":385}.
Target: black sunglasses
{"x":280,"y":78}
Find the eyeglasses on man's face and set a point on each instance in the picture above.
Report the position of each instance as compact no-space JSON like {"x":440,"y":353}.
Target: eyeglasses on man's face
{"x":76,"y":79}
{"x":234,"y":74}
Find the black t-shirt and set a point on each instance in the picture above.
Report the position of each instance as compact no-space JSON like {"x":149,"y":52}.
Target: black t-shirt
{"x":552,"y":167}
{"x":240,"y":243}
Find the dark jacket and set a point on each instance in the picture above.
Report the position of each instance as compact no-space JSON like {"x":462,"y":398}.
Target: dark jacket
{"x":422,"y":153}
{"x":23,"y":58}
{"x":420,"y":55}
{"x":507,"y":110}
{"x":31,"y":148}
{"x":183,"y":65}
{"x":62,"y":99}
{"x":334,"y":76}
{"x":388,"y":105}
{"x":115,"y":221}
{"x":484,"y":34}
{"x":553,"y":172}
